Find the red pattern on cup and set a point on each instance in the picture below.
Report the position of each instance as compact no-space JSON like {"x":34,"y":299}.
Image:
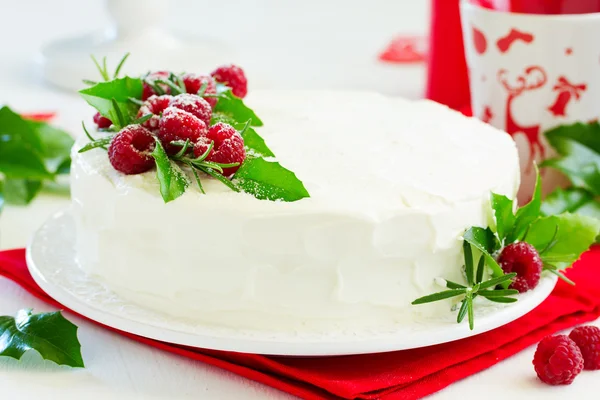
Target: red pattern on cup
{"x":566,"y":92}
{"x":505,"y":42}
{"x":479,"y":41}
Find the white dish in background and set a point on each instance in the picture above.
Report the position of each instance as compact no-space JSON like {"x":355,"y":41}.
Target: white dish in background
{"x":52,"y":263}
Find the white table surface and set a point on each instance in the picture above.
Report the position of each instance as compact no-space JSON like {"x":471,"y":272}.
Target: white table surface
{"x":118,"y":368}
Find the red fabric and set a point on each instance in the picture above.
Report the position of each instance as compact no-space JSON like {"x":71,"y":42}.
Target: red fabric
{"x":447,"y":77}
{"x":407,"y":374}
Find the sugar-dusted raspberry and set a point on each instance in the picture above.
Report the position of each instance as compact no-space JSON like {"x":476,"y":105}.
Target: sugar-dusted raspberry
{"x":193,"y":104}
{"x":155,"y":105}
{"x":228,"y":147}
{"x":523,"y":259}
{"x":102,"y":122}
{"x":129,"y":151}
{"x":159,"y":75}
{"x":557,"y":360}
{"x":234,"y":77}
{"x":177,"y":124}
{"x":587,"y":338}
{"x":193,"y":83}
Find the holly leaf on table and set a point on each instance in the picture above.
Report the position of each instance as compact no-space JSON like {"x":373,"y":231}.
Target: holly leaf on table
{"x":112,"y":99}
{"x":267,"y":180}
{"x":50,"y":334}
{"x":578,"y":148}
{"x":172,"y":180}
{"x":561,"y":239}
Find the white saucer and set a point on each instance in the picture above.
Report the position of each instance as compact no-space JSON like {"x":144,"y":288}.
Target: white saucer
{"x":52,"y":263}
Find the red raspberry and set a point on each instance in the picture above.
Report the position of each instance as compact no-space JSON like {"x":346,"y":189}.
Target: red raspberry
{"x":102,"y":122}
{"x":193,"y":83}
{"x":129,"y":151}
{"x":154,"y":105}
{"x":148,"y":91}
{"x":523,"y":259}
{"x":228,"y":147}
{"x":587,"y":338}
{"x":557,"y":360}
{"x":193,"y":104}
{"x":177,"y":124}
{"x":234,"y":77}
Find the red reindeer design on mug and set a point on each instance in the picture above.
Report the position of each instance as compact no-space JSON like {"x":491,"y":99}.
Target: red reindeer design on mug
{"x":533,"y":78}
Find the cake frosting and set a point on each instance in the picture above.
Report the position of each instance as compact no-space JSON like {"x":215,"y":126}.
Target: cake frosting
{"x":393,"y":184}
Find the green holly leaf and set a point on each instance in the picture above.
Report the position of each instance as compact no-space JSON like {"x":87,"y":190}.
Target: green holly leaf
{"x":253,"y":142}
{"x":173,"y":182}
{"x":504,"y":215}
{"x":234,"y":107}
{"x":578,"y":148}
{"x":486,"y":242}
{"x":572,"y":200}
{"x":50,"y":334}
{"x":267,"y":180}
{"x":561,"y":239}
{"x":112,"y":99}
{"x":528,"y":213}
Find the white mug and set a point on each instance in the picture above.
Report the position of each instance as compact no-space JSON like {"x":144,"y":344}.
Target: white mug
{"x":529,"y":73}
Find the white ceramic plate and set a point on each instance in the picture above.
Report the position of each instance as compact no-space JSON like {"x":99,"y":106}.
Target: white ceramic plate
{"x":52,"y":263}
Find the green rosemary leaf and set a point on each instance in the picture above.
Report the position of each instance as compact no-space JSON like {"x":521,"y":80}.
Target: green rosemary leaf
{"x":120,"y":65}
{"x":142,"y":119}
{"x":189,"y":164}
{"x":221,"y":178}
{"x":480,"y":269}
{"x":497,"y":281}
{"x":97,"y":143}
{"x":102,"y":71}
{"x":468,"y":262}
{"x":454,"y":285}
{"x":560,"y":275}
{"x":498,"y":293}
{"x":462,"y":312}
{"x":118,"y":112}
{"x":446,"y":294}
{"x":504,"y":300}
{"x":469,"y":300}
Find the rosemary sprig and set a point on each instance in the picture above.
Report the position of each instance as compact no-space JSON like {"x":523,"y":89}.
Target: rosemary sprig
{"x":475,"y":287}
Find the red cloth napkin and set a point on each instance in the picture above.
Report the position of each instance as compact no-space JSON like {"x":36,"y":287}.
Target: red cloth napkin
{"x":409,"y":374}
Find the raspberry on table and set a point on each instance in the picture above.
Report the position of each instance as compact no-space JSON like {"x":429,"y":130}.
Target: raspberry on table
{"x":557,"y":360}
{"x":234,"y":77}
{"x":102,"y":122}
{"x":154,"y":105}
{"x":228,"y":147}
{"x":587,"y":338}
{"x":523,"y":259}
{"x":193,"y":104}
{"x":193,"y":83}
{"x":148,"y":91}
{"x":129,"y":151}
{"x":177,"y":124}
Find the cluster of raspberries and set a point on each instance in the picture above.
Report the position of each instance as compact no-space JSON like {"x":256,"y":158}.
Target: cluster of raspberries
{"x":179,"y":118}
{"x":559,"y":359}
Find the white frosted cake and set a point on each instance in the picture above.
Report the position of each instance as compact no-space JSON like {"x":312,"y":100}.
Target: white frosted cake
{"x":393,"y":186}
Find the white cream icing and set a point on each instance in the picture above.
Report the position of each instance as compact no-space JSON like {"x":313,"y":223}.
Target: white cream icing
{"x":393,"y":185}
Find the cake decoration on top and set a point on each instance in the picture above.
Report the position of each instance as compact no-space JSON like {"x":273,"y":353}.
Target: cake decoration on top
{"x":186,"y":126}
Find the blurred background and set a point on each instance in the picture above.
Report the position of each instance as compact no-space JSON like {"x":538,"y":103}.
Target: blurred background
{"x":313,"y":44}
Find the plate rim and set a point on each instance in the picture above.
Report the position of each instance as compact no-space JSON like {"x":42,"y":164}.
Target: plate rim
{"x":266,"y":346}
